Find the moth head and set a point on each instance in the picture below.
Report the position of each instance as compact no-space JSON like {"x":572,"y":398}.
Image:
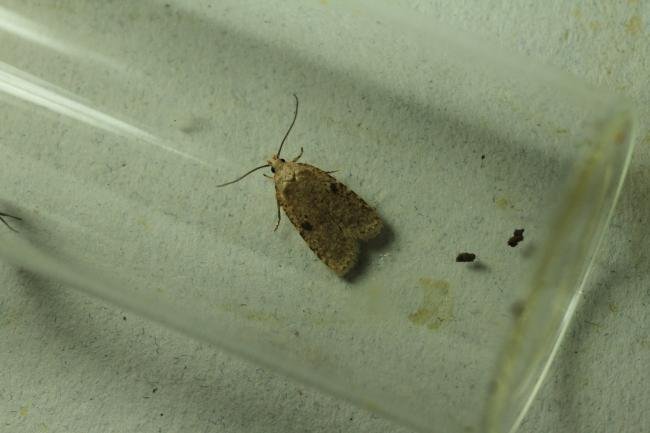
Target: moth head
{"x":276,"y":163}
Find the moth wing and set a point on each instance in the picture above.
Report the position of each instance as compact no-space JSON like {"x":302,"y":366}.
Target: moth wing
{"x":327,"y":240}
{"x":329,"y":217}
{"x":355,"y":217}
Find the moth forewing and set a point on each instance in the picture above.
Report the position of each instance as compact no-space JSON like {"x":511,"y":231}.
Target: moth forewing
{"x":329,"y":216}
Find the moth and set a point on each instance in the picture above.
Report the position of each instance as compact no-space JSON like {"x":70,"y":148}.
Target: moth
{"x":6,"y":215}
{"x":330,"y":217}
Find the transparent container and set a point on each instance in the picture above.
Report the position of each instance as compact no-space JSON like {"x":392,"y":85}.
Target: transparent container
{"x":119,"y":119}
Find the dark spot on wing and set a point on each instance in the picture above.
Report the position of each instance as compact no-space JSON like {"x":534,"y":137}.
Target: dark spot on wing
{"x":333,"y":187}
{"x":306,"y":226}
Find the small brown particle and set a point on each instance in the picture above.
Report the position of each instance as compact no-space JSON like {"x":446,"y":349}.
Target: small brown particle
{"x":517,"y":237}
{"x":465,"y":257}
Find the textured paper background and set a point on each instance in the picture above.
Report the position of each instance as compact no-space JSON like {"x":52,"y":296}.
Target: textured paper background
{"x":102,"y":370}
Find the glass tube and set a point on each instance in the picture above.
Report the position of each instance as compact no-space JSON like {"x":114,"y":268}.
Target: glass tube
{"x":120,"y":120}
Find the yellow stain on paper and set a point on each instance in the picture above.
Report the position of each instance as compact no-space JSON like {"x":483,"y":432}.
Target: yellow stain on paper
{"x":633,"y":25}
{"x":251,"y":314}
{"x":577,"y":13}
{"x":595,"y":25}
{"x":502,"y":202}
{"x":144,"y":223}
{"x":436,"y":307}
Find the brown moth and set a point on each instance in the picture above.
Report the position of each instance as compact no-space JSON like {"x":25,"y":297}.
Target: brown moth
{"x":2,"y":218}
{"x":331,"y":218}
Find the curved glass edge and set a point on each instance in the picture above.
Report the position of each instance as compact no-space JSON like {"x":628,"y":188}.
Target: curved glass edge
{"x":247,"y":344}
{"x":186,"y":324}
{"x":567,"y":258}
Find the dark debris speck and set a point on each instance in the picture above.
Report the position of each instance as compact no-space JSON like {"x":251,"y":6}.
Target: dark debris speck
{"x":517,"y":237}
{"x":465,"y":257}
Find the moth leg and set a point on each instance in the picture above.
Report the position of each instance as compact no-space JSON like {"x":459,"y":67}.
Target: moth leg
{"x":267,"y":176}
{"x":2,"y":215}
{"x":298,"y":157}
{"x":330,"y":172}
{"x":279,"y":216}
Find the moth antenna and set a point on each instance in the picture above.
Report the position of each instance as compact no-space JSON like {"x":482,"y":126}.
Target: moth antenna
{"x":243,"y":176}
{"x":295,"y":116}
{"x":2,"y":215}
